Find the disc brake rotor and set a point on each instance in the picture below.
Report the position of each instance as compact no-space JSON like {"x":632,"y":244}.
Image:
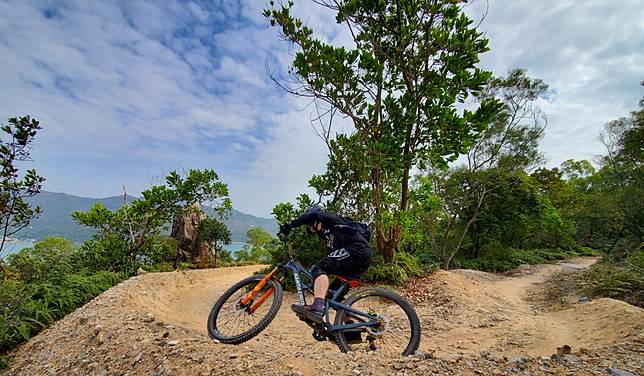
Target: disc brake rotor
{"x":381,"y":328}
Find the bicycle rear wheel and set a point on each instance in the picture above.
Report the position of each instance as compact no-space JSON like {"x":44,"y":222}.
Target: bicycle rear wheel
{"x":398,"y":331}
{"x":232,"y":322}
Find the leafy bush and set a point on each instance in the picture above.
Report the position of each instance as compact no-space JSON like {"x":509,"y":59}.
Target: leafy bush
{"x":617,"y":280}
{"x":586,"y":251}
{"x":510,"y":258}
{"x":403,"y":267}
{"x":27,"y":308}
{"x":158,"y":250}
{"x":49,"y":259}
{"x":161,"y":267}
{"x":109,"y":253}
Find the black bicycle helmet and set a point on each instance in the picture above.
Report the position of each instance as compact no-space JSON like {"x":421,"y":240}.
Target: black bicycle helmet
{"x":313,"y":209}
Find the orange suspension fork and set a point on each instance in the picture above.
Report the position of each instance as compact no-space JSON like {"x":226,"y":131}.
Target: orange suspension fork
{"x":259,"y":286}
{"x":261,"y":300}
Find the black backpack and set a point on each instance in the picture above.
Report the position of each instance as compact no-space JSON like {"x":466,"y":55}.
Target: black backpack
{"x":362,"y":228}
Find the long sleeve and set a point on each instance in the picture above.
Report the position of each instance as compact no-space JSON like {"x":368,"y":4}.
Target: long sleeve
{"x":309,"y":218}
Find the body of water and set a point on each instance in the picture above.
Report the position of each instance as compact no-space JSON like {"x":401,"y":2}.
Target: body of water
{"x":234,"y":247}
{"x":15,"y":245}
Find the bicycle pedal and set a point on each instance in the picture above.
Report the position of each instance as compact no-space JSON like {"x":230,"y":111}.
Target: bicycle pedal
{"x":319,"y":336}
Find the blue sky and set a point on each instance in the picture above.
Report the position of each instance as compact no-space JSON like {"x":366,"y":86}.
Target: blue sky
{"x":129,"y":90}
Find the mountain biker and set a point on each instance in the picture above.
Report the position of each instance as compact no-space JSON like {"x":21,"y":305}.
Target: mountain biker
{"x":349,"y":254}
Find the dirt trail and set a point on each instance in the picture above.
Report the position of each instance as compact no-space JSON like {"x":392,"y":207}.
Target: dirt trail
{"x":471,"y":321}
{"x":492,"y":314}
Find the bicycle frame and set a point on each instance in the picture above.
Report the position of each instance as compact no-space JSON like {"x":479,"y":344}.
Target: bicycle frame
{"x":298,"y":271}
{"x":332,"y":302}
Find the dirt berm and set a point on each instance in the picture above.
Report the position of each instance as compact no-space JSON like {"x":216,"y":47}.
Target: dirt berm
{"x":472,"y":323}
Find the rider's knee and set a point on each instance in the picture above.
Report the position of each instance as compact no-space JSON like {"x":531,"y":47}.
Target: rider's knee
{"x":316,"y":272}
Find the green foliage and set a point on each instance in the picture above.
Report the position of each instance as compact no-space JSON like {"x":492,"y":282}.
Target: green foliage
{"x":215,"y":234}
{"x":15,"y":147}
{"x":403,"y":267}
{"x":412,"y":63}
{"x":46,"y":283}
{"x":620,"y":184}
{"x":107,"y":253}
{"x":505,"y":259}
{"x":50,"y":259}
{"x":259,"y":247}
{"x":160,"y":267}
{"x":28,"y":308}
{"x":618,"y":280}
{"x":129,"y":236}
{"x":494,"y":167}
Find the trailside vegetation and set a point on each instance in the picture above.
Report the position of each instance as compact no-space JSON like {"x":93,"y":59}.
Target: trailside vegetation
{"x":53,"y":278}
{"x":128,"y":238}
{"x":443,"y":159}
{"x":442,"y":162}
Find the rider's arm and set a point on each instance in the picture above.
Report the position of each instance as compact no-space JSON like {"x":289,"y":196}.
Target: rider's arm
{"x":309,"y":218}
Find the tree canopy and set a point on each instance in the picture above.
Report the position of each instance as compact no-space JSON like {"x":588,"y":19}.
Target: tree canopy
{"x":411,"y":63}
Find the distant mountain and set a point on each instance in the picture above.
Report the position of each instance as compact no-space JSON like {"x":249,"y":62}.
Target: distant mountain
{"x":57,"y":208}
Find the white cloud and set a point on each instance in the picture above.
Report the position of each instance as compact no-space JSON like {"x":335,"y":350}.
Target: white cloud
{"x":589,"y":53}
{"x":128,"y":91}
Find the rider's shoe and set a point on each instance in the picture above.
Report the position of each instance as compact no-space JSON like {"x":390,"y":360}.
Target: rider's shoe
{"x":308,"y":312}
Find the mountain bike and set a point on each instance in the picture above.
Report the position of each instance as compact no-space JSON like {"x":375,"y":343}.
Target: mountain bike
{"x":370,"y":319}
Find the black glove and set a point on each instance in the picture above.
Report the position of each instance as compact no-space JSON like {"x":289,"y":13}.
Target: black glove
{"x":285,"y":229}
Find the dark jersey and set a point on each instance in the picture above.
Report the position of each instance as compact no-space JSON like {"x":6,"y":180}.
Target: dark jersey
{"x":336,"y":233}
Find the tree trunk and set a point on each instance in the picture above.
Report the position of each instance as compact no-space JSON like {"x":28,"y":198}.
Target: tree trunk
{"x":446,"y":262}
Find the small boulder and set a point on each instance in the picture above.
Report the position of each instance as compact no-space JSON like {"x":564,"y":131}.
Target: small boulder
{"x":619,"y":372}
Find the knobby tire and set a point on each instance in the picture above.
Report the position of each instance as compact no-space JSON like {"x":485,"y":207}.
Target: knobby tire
{"x":414,"y":321}
{"x":253,"y":331}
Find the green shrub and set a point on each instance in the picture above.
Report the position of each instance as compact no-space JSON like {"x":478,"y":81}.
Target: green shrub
{"x":158,"y":250}
{"x":484,"y":264}
{"x":617,"y":280}
{"x":403,"y":267}
{"x":161,"y":267}
{"x":50,"y":259}
{"x":503,"y":260}
{"x":109,"y":253}
{"x":586,"y":251}
{"x":27,"y":308}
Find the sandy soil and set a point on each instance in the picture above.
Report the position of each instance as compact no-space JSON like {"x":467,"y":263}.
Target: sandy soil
{"x":492,"y":313}
{"x":465,"y":315}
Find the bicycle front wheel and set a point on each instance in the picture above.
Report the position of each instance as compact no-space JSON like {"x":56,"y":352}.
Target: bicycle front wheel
{"x":398,"y":329}
{"x":232,"y":322}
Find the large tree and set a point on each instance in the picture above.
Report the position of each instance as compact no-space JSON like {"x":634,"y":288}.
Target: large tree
{"x":622,"y":175}
{"x":411,"y":62}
